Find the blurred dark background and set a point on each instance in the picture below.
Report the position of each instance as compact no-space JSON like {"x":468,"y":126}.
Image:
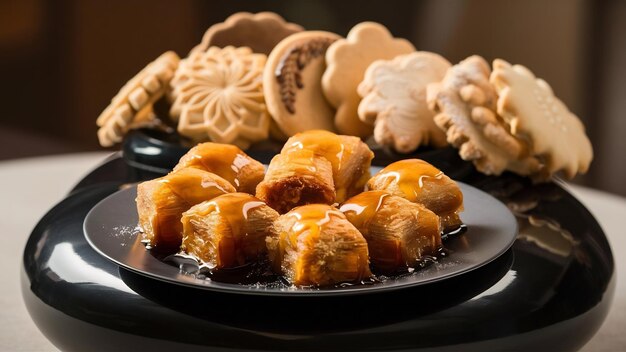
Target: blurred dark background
{"x":62,"y":61}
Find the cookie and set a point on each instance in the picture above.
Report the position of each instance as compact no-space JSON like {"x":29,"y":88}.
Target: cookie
{"x":465,"y":103}
{"x":292,"y":83}
{"x":534,"y":113}
{"x":218,"y":96}
{"x":347,"y":60}
{"x":260,"y":32}
{"x":133,"y":103}
{"x":394,"y":99}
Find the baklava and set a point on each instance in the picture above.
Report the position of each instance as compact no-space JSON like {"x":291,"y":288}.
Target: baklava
{"x":421,"y":182}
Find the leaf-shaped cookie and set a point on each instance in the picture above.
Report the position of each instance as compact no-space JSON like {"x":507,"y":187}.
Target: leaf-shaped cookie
{"x":347,"y":59}
{"x":394,"y":98}
{"x":528,"y":104}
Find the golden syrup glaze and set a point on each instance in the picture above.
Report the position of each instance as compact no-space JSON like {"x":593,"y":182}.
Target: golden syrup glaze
{"x":410,"y":176}
{"x":300,"y":160}
{"x":193,"y":186}
{"x":324,"y":143}
{"x":225,"y":160}
{"x":310,"y":219}
{"x":234,"y":208}
{"x":361,"y":209}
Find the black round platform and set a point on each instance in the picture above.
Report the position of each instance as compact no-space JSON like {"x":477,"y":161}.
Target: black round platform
{"x":550,"y":292}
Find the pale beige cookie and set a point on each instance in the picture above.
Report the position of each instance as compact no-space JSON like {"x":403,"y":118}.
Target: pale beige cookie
{"x":394,"y":99}
{"x":528,"y":104}
{"x":218,"y":96}
{"x":133,"y":103}
{"x":347,"y":60}
{"x":292,"y":83}
{"x":260,"y":32}
{"x":465,"y":103}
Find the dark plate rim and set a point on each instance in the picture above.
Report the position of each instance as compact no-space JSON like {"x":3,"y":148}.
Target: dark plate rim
{"x":217,"y":286}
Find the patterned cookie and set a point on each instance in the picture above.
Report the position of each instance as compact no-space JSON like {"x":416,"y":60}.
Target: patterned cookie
{"x":465,"y":103}
{"x":347,"y":60}
{"x":292,"y":83}
{"x":133,"y":103}
{"x":394,"y":98}
{"x":218,"y":96}
{"x":528,"y":104}
{"x":260,"y":32}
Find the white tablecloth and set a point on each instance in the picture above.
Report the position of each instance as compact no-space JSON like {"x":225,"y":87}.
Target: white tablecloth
{"x":29,"y":187}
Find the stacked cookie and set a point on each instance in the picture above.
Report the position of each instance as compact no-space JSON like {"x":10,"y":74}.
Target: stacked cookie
{"x":216,"y":92}
{"x":255,"y":76}
{"x":507,"y":119}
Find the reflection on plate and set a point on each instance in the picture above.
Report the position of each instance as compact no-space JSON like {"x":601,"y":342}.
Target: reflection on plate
{"x":111,"y":229}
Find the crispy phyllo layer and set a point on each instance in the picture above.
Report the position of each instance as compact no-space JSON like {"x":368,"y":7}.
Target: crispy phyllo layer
{"x":399,"y":233}
{"x":161,"y":202}
{"x":315,"y":245}
{"x":349,"y":157}
{"x":226,"y":161}
{"x":297,"y":178}
{"x":421,"y":182}
{"x":227,"y":231}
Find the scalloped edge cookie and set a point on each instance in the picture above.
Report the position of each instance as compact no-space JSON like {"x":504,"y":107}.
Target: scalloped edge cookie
{"x":346,"y":60}
{"x":259,"y":31}
{"x":535,"y":114}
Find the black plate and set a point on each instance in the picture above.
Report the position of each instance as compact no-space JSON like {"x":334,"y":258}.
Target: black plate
{"x":532,"y":298}
{"x":111,"y":229}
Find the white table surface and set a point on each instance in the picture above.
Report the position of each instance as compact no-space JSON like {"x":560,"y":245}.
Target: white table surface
{"x":30,"y":187}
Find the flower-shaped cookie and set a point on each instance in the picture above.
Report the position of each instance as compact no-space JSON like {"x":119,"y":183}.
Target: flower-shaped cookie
{"x":132,"y":106}
{"x":346,"y":60}
{"x":465,"y":103}
{"x":394,"y":98}
{"x":218,"y":96}
{"x":260,"y":32}
{"x":555,"y":134}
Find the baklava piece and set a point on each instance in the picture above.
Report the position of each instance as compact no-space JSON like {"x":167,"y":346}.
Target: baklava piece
{"x":315,"y":245}
{"x":399,"y":233}
{"x":421,"y":182}
{"x":349,"y":157}
{"x":297,"y":178}
{"x":227,"y":231}
{"x":161,"y":202}
{"x":226,"y":161}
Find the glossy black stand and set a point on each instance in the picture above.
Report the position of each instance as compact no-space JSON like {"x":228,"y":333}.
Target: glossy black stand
{"x":550,"y":292}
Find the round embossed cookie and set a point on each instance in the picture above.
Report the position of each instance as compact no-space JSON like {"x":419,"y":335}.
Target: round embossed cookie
{"x":394,"y":98}
{"x":260,"y":32}
{"x":292,"y":83}
{"x":465,"y":103}
{"x":347,"y":60}
{"x":132,"y":105}
{"x":528,"y":104}
{"x":218,"y":96}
